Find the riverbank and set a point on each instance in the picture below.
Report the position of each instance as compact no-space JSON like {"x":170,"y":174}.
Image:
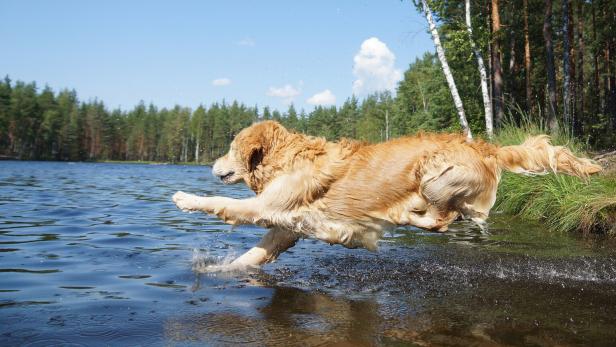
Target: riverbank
{"x":562,"y":203}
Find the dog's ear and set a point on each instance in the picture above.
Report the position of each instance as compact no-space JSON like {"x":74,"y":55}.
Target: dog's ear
{"x":251,"y":152}
{"x":255,"y":158}
{"x":259,"y":141}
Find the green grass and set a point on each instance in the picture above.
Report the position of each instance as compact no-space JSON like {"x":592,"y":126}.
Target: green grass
{"x":562,"y":203}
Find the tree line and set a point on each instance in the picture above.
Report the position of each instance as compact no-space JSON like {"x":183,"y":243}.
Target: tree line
{"x":45,"y":125}
{"x":549,"y":62}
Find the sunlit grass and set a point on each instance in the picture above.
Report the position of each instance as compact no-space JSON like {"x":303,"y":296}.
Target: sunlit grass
{"x":563,"y":203}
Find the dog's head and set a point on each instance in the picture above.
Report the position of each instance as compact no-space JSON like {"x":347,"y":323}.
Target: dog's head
{"x":247,"y":154}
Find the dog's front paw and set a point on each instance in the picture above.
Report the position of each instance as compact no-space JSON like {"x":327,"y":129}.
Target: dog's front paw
{"x":185,"y":201}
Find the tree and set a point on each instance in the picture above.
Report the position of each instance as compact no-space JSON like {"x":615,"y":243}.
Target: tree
{"x":5,"y":111}
{"x":596,"y":51}
{"x":549,"y":66}
{"x":423,"y":100}
{"x":266,"y":113}
{"x":609,"y":19}
{"x":577,"y":124}
{"x":290,"y":119}
{"x":347,"y":118}
{"x":68,"y":106}
{"x":448,"y":76}
{"x":74,"y":135}
{"x":24,"y":120}
{"x":527,"y":61}
{"x":566,"y":68}
{"x":370,"y":126}
{"x":196,"y":129}
{"x":497,"y":73}
{"x":482,"y":72}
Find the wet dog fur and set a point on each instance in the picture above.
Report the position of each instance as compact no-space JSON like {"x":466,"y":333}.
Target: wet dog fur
{"x":350,"y":192}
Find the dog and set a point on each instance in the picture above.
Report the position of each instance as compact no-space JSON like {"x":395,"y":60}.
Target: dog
{"x":350,"y":192}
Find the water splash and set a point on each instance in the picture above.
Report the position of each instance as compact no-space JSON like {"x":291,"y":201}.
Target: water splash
{"x":204,"y":262}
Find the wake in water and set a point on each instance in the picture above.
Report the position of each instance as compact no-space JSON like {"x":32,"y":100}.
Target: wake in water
{"x":577,"y":270}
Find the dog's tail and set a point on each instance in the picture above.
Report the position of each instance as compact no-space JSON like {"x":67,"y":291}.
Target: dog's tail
{"x":537,"y":156}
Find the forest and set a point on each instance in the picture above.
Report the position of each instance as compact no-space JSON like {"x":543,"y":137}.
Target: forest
{"x":546,"y":62}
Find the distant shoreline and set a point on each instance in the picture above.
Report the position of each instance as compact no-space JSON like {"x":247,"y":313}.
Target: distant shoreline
{"x":146,"y":162}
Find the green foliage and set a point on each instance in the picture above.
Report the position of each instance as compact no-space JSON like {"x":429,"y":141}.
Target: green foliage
{"x":424,"y":101}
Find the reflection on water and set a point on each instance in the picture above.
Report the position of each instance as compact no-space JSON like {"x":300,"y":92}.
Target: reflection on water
{"x":288,"y":316}
{"x":96,"y":254}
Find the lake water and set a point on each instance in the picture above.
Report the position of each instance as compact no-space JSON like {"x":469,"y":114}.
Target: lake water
{"x":97,"y":254}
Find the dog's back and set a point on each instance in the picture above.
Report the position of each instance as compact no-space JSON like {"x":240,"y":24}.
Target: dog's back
{"x":431,"y":179}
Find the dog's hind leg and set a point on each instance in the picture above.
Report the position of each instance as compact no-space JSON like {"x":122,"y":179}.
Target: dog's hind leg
{"x":275,"y":242}
{"x":468,"y":188}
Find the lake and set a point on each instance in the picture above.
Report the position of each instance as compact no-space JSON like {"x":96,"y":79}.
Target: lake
{"x":97,"y":254}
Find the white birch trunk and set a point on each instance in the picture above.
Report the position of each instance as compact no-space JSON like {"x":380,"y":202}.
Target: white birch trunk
{"x":450,"y":81}
{"x":487,"y":103}
{"x":184,"y":151}
{"x":386,"y":125}
{"x":197,"y":152}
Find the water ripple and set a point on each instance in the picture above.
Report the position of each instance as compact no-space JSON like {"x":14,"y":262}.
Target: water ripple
{"x":98,"y":252}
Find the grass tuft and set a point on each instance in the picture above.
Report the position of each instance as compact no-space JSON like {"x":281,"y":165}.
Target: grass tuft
{"x":563,"y":203}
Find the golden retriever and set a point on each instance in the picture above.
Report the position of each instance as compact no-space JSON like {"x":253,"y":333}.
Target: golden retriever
{"x":349,"y":192}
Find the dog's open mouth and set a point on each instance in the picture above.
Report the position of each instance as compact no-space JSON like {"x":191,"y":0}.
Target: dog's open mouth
{"x":227,"y":177}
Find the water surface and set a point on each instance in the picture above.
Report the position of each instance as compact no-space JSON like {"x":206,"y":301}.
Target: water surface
{"x":97,"y":254}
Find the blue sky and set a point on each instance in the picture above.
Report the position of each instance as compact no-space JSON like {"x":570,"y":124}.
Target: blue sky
{"x":191,"y":52}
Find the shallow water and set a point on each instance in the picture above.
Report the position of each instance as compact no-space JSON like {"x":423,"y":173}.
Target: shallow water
{"x":97,"y":254}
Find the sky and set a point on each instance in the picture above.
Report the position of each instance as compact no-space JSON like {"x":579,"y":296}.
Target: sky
{"x":265,"y":53}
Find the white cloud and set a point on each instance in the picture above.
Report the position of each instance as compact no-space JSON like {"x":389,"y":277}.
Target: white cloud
{"x":374,"y":68}
{"x":287,"y":93}
{"x":220,"y":82}
{"x":325,"y":97}
{"x":247,"y":42}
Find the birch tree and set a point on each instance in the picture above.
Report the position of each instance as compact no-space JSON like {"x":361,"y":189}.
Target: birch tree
{"x":487,"y":104}
{"x":445,"y":66}
{"x":196,"y":128}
